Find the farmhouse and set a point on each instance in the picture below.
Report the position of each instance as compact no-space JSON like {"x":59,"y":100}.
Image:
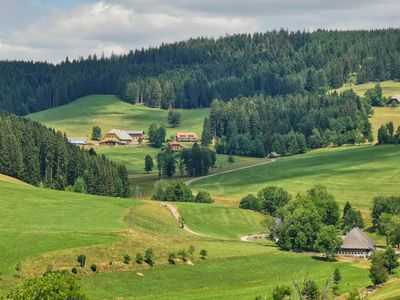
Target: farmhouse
{"x":117,"y":137}
{"x":174,"y":146}
{"x":186,"y":137}
{"x":393,"y":101}
{"x":78,"y":140}
{"x":357,"y":244}
{"x":136,"y":135}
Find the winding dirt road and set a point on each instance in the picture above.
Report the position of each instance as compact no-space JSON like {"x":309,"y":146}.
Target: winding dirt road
{"x":190,"y":181}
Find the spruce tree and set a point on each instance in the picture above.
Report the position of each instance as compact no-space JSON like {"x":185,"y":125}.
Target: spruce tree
{"x":206,"y":136}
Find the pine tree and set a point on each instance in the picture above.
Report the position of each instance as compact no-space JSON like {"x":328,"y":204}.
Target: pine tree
{"x":148,"y":163}
{"x":206,"y":136}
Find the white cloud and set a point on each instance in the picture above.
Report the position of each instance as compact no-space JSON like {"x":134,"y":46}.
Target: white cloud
{"x":51,"y":32}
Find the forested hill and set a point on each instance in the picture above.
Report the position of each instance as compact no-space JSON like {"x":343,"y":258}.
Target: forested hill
{"x":192,"y":73}
{"x":37,"y":155}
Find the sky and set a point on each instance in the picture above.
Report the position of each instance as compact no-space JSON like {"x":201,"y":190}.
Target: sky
{"x":50,"y":30}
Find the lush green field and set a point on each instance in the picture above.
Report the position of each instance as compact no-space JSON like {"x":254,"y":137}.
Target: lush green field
{"x":34,"y":221}
{"x":389,"y":88}
{"x":233,"y":278}
{"x":133,"y":159}
{"x":354,"y":174}
{"x":107,"y":111}
{"x":220,"y":221}
{"x":41,"y":227}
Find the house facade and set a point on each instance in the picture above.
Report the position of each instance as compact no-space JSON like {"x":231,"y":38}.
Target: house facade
{"x":356,"y":244}
{"x":116,"y":137}
{"x":136,"y":135}
{"x":186,"y":137}
{"x":174,"y":146}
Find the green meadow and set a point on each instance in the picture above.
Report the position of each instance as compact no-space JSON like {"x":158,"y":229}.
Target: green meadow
{"x":389,"y":88}
{"x":108,"y":111}
{"x":354,"y":174}
{"x":41,"y":227}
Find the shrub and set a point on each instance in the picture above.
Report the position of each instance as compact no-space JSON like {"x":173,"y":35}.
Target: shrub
{"x":139,"y":258}
{"x":191,"y":250}
{"x":74,"y":270}
{"x":203,"y":197}
{"x":93,"y":267}
{"x":203,"y":254}
{"x":171,"y":258}
{"x":250,"y":202}
{"x":149,"y":256}
{"x":183,"y":254}
{"x":81,"y":259}
{"x":52,"y":285}
{"x":127,"y":259}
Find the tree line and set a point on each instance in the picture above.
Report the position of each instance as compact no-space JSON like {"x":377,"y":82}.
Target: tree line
{"x":191,"y":73}
{"x":309,"y":222}
{"x":287,"y":124}
{"x":40,"y":156}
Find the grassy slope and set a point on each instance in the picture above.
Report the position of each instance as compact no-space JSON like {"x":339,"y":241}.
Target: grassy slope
{"x":356,"y":174}
{"x":233,"y":278}
{"x":41,"y":227}
{"x":78,"y":117}
{"x":389,"y":88}
{"x":220,"y":221}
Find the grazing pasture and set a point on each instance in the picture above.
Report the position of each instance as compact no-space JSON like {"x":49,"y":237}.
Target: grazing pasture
{"x":389,"y":88}
{"x":108,"y":111}
{"x":354,"y":174}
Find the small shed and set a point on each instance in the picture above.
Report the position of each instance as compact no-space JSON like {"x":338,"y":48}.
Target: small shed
{"x":78,"y":140}
{"x":393,"y":101}
{"x":357,"y":244}
{"x":273,"y":154}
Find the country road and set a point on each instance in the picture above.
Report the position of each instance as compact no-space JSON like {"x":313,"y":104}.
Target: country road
{"x":190,"y":181}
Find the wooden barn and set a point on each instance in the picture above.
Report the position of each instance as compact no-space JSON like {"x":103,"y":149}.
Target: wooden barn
{"x":116,"y":137}
{"x":186,"y":137}
{"x":356,"y":244}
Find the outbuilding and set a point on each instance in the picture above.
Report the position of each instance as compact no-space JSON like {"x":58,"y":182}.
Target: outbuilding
{"x":356,"y":244}
{"x":393,"y":101}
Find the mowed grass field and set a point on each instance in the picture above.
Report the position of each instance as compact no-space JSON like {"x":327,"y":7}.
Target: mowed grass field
{"x":354,"y":174}
{"x":41,"y":227}
{"x":389,"y":88}
{"x":108,"y":111}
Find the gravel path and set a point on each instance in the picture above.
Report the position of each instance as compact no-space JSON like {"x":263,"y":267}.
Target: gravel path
{"x":190,"y":181}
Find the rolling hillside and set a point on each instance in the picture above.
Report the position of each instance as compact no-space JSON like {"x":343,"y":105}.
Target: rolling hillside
{"x":42,"y":228}
{"x":354,"y":174}
{"x":107,"y":111}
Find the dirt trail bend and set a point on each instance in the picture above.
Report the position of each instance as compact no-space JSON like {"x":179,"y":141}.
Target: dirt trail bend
{"x":190,"y":181}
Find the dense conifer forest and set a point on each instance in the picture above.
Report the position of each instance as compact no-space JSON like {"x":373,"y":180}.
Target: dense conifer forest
{"x":40,"y":156}
{"x":190,"y":74}
{"x":289,"y":124}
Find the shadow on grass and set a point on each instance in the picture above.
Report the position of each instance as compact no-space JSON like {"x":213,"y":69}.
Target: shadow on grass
{"x":320,"y":258}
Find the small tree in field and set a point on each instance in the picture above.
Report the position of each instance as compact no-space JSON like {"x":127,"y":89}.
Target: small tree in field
{"x":378,"y":272}
{"x":81,"y":260}
{"x":203,"y":254}
{"x":148,"y":163}
{"x":337,"y":278}
{"x":139,"y":258}
{"x":149,"y":256}
{"x":231,"y":159}
{"x":191,"y":250}
{"x":390,"y":259}
{"x":281,"y":292}
{"x":127,"y":259}
{"x":174,"y":117}
{"x":327,"y":241}
{"x":96,"y":133}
